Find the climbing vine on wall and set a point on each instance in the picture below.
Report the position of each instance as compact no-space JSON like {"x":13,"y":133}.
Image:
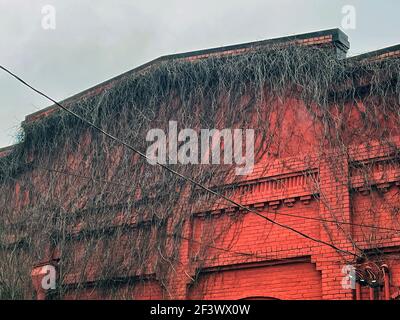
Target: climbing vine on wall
{"x":108,"y":215}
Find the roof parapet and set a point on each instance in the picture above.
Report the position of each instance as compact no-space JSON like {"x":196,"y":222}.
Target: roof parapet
{"x":332,"y":37}
{"x":4,"y":152}
{"x":381,"y":54}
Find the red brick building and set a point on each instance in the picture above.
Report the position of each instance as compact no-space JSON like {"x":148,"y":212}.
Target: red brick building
{"x":346,"y":195}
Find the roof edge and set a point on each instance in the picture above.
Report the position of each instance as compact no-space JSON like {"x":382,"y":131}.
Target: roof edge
{"x":5,"y":151}
{"x":337,"y":37}
{"x":387,"y":52}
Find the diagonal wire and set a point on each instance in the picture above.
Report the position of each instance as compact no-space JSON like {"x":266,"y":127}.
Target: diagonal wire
{"x":141,"y":154}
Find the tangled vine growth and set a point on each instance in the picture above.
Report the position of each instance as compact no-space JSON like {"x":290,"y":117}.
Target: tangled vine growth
{"x":109,"y":215}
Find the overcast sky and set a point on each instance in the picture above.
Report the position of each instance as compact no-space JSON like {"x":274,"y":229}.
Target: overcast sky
{"x":96,"y":40}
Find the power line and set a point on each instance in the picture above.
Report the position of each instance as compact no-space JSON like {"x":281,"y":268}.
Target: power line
{"x":240,"y":253}
{"x":141,"y":154}
{"x":68,"y":173}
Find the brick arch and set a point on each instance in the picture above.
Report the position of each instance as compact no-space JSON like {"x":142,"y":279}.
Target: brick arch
{"x":261,"y":282}
{"x":259,"y":298}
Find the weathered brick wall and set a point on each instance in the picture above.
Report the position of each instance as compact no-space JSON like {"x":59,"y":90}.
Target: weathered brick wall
{"x":290,"y":184}
{"x":297,"y":183}
{"x":143,"y":290}
{"x":295,"y":280}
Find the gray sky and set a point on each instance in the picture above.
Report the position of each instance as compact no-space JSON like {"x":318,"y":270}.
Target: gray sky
{"x":96,"y":40}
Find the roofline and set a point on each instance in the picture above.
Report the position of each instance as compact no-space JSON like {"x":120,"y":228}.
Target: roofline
{"x":339,"y":39}
{"x":332,"y":36}
{"x":337,"y":35}
{"x":5,"y":151}
{"x":380,"y":52}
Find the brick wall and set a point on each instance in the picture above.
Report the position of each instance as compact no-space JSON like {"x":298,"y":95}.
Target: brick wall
{"x":254,"y":258}
{"x":291,"y":281}
{"x":299,"y":183}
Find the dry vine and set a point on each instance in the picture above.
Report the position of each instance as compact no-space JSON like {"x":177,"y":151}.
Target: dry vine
{"x":131,"y":214}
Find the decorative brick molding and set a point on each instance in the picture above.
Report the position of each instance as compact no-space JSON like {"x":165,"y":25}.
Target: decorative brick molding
{"x":383,"y":173}
{"x":269,"y":192}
